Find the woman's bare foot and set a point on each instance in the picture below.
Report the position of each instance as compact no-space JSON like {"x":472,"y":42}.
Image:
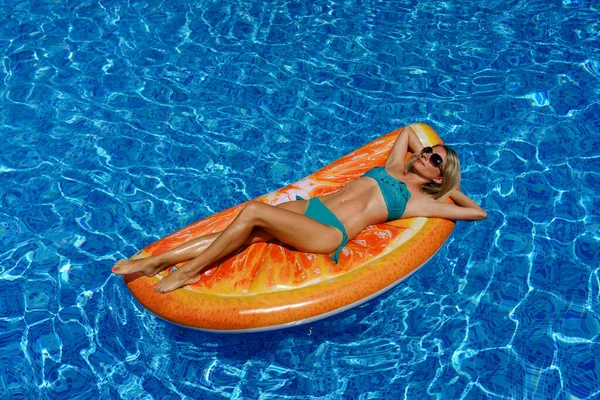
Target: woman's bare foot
{"x":175,"y":280}
{"x":148,"y":266}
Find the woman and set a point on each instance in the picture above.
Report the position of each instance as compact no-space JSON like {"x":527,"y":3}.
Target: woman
{"x":323,"y":225}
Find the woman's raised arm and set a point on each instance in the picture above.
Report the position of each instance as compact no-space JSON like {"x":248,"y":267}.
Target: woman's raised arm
{"x":407,"y":140}
{"x":463,"y":208}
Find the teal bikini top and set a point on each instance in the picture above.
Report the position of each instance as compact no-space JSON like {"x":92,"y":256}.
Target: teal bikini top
{"x":395,"y":193}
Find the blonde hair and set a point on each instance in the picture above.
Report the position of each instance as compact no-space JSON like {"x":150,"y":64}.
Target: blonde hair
{"x":451,"y":178}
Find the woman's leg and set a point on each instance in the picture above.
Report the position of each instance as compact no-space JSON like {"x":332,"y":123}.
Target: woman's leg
{"x":290,"y":227}
{"x":152,"y":265}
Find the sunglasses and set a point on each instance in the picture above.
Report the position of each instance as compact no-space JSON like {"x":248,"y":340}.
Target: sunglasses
{"x":435,"y":159}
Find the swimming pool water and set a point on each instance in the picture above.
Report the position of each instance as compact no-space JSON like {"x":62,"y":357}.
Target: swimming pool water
{"x":122,"y":121}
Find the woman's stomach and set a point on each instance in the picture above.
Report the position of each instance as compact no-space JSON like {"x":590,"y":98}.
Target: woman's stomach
{"x":357,"y":204}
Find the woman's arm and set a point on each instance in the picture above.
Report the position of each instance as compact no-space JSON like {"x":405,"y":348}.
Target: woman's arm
{"x":463,"y":208}
{"x":407,"y":140}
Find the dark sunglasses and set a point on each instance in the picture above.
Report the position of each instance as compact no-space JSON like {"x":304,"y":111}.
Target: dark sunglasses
{"x":435,"y":159}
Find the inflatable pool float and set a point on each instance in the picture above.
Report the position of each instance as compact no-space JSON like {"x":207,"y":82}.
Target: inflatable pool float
{"x":268,"y":286}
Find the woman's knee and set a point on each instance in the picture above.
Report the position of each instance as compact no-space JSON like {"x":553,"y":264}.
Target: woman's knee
{"x":252,"y":211}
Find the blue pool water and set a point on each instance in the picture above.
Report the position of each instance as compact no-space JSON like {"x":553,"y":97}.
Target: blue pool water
{"x":122,"y":121}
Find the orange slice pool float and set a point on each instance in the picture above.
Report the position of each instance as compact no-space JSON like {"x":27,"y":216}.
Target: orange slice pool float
{"x":268,"y":286}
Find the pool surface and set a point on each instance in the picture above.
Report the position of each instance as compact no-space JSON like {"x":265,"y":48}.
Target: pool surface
{"x":123,"y":121}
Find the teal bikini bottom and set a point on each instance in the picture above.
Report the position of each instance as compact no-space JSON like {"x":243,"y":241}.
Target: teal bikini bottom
{"x":320,"y":213}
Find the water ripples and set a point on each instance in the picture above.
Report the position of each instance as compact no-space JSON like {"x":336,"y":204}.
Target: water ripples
{"x":124,"y":122}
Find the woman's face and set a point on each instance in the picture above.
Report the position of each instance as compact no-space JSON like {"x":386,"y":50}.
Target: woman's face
{"x":428,"y":170}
